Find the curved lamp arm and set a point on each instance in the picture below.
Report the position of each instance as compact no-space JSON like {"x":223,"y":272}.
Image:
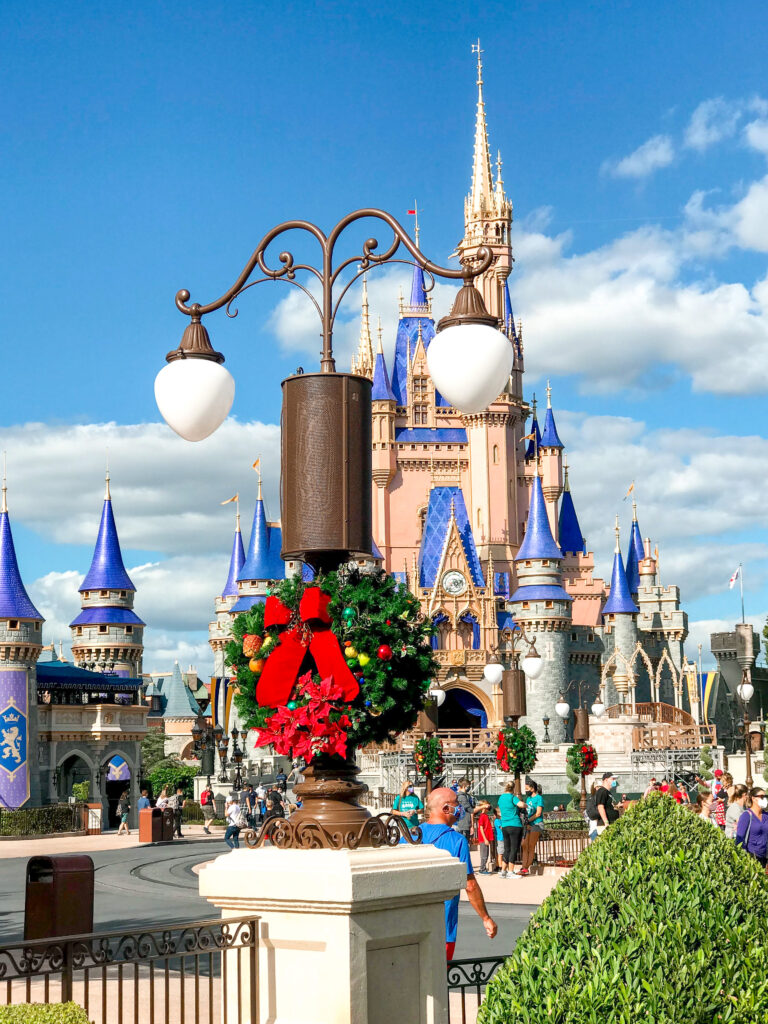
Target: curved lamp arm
{"x":327,"y":277}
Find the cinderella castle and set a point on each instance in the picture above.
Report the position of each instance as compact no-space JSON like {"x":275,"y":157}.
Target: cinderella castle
{"x":476,"y":516}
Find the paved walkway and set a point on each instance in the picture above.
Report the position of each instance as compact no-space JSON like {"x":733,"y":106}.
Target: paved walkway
{"x":86,"y":844}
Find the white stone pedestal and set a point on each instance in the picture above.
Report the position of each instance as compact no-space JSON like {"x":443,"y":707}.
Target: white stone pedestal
{"x":345,"y":936}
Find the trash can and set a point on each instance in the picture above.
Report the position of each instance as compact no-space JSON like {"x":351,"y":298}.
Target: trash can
{"x":59,"y":898}
{"x":151,"y":825}
{"x":167,"y":825}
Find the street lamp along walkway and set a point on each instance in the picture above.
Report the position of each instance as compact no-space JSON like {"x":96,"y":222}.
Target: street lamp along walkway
{"x":326,"y":467}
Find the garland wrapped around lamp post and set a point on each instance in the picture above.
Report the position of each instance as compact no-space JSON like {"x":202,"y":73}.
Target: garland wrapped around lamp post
{"x":516,"y":750}
{"x":322,"y":668}
{"x":580,"y":760}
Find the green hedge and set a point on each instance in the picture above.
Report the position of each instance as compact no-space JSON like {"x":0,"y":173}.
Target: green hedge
{"x":43,"y":1013}
{"x":662,"y":920}
{"x":41,"y":821}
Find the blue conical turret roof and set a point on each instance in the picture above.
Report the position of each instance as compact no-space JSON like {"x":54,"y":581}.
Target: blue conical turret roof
{"x":533,"y":445}
{"x":620,"y":599}
{"x":263,"y":561}
{"x":538,"y":541}
{"x":178,"y":699}
{"x":382,"y":389}
{"x":509,"y":319}
{"x":236,"y":562}
{"x":14,"y":599}
{"x":418,"y":291}
{"x":635,"y":555}
{"x":571,"y":538}
{"x":107,"y":571}
{"x":549,"y":438}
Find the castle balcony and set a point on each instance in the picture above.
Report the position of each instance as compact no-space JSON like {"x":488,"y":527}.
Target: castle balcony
{"x":94,"y":722}
{"x":663,"y":726}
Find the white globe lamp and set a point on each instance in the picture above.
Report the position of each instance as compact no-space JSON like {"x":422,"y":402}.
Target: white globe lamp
{"x":745,"y":691}
{"x":532,"y":665}
{"x":562,"y":708}
{"x":438,"y":696}
{"x":493,"y":673}
{"x":469,"y":359}
{"x":598,"y":708}
{"x":194,"y":392}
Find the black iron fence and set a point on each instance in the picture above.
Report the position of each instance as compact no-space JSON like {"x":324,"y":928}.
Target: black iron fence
{"x":466,"y":986}
{"x":43,"y":821}
{"x":205,"y":971}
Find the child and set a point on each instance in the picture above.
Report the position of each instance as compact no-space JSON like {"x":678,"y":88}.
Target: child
{"x":485,"y":837}
{"x":498,"y":837}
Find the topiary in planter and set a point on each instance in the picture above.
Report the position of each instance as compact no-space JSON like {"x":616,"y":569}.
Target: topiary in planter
{"x":43,"y":1013}
{"x":661,"y":920}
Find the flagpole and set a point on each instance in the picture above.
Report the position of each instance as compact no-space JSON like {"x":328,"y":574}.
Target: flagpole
{"x":741,"y":589}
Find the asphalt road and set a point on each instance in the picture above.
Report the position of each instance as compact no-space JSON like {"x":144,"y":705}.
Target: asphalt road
{"x":145,"y":887}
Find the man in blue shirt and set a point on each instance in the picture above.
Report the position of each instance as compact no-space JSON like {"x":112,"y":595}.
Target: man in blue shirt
{"x":443,"y":811}
{"x":143,"y":800}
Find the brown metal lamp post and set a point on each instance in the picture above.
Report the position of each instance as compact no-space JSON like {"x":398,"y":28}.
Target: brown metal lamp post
{"x":326,"y":472}
{"x":580,"y":732}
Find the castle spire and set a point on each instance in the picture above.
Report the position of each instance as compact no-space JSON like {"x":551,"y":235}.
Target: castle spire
{"x":636,"y":552}
{"x":237,"y":558}
{"x":481,"y":196}
{"x":363,"y":362}
{"x":569,"y":531}
{"x":538,"y":541}
{"x":620,"y":598}
{"x":549,"y":436}
{"x":107,"y":571}
{"x":14,"y":599}
{"x":382,"y":388}
{"x":534,"y":443}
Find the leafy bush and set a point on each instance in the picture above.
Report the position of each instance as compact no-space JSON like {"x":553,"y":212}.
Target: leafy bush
{"x":192,"y":813}
{"x":172,"y":772}
{"x":41,"y":821}
{"x":81,"y":791}
{"x":661,"y":920}
{"x":706,"y":762}
{"x":43,"y":1013}
{"x":565,"y":822}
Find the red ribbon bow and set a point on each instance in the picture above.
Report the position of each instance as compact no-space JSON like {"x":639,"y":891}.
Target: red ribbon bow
{"x":311,"y":635}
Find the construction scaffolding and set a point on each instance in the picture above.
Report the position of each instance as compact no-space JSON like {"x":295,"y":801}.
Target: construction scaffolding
{"x":665,"y":763}
{"x":478,"y":766}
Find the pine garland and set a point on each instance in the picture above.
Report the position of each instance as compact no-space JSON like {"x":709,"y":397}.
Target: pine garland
{"x":369,"y":611}
{"x":516,"y":749}
{"x":428,"y":756}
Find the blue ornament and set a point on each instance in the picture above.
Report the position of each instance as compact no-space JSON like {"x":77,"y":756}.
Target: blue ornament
{"x":367,"y":703}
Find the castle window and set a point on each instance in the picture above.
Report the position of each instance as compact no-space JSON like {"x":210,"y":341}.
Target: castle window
{"x":528,"y":561}
{"x":526,"y":604}
{"x":103,"y":629}
{"x":549,"y":604}
{"x":545,"y":561}
{"x":123,"y":593}
{"x":78,"y":630}
{"x":419,"y":388}
{"x":37,"y":627}
{"x":128,"y":630}
{"x":103,"y":593}
{"x":13,"y":624}
{"x":420,"y":414}
{"x":574,"y":637}
{"x":495,"y":453}
{"x":591,"y":638}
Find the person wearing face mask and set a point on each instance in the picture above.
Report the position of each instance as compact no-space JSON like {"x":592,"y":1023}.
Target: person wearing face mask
{"x":443,"y":811}
{"x":752,"y":829}
{"x":534,"y":804}
{"x":408,"y":805}
{"x":736,"y":807}
{"x":606,"y":809}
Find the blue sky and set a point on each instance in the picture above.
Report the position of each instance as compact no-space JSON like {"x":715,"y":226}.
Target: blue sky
{"x":148,"y":148}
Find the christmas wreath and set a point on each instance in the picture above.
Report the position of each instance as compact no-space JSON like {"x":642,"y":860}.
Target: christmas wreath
{"x":428,"y":756}
{"x":582,"y":758}
{"x":516,"y":750}
{"x":346,"y":658}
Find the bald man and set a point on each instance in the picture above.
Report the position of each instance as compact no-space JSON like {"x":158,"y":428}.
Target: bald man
{"x":443,"y":811}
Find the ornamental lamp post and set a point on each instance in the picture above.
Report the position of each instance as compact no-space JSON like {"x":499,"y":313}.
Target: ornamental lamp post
{"x":326,"y":453}
{"x":580,"y":727}
{"x":746,"y":691}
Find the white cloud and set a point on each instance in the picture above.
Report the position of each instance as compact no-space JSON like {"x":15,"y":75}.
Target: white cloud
{"x":655,"y":153}
{"x":756,"y":135}
{"x":717,"y":119}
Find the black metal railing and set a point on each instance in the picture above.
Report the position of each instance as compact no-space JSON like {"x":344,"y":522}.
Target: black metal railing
{"x":52,"y":819}
{"x":466,"y":986}
{"x":205,"y":971}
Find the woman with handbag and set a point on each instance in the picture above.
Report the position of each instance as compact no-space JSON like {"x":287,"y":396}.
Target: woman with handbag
{"x":752,"y":829}
{"x":535,"y":807}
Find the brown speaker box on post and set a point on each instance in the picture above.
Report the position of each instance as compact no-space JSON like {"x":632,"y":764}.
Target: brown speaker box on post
{"x":581,"y":725}
{"x":513,"y":691}
{"x":326,"y":468}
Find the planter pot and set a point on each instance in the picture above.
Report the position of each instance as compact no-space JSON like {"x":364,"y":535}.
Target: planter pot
{"x":329,"y":796}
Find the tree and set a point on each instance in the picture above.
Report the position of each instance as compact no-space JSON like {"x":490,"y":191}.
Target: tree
{"x":152,"y":749}
{"x":171,"y":772}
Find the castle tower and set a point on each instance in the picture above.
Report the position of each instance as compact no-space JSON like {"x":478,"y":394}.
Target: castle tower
{"x":542,"y":608}
{"x":218,"y":630}
{"x":180,"y":712}
{"x":487,"y":212}
{"x":20,"y":645}
{"x":107,"y":635}
{"x":384,"y":406}
{"x":635,"y":554}
{"x":569,"y":532}
{"x":262,"y":563}
{"x":619,"y":618}
{"x":551,"y":452}
{"x":362,"y":363}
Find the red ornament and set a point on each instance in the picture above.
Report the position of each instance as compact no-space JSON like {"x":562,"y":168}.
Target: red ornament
{"x":389,"y":622}
{"x":384,"y":652}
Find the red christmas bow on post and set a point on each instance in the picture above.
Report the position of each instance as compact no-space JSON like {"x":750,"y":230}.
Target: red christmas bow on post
{"x":312,"y":634}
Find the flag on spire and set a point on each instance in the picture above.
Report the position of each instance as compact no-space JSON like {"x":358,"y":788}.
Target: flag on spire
{"x":732,"y":581}
{"x":235,"y":497}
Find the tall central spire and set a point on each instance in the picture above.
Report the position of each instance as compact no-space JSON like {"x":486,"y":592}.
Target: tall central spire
{"x":481,"y":198}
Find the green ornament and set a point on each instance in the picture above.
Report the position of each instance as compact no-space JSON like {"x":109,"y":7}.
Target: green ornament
{"x":291,"y":705}
{"x":348,"y":614}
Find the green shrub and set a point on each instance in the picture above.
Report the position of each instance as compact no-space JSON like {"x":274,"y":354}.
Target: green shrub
{"x":81,"y":791}
{"x":661,"y":920}
{"x":706,"y":761}
{"x":172,"y":772}
{"x":40,"y":821}
{"x":43,"y":1013}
